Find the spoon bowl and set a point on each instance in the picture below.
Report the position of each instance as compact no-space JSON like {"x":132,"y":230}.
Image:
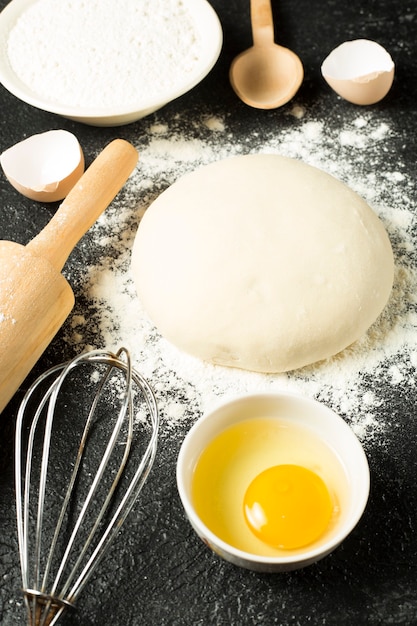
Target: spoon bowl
{"x":265,"y":76}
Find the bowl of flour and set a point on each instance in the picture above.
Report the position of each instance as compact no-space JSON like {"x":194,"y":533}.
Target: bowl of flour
{"x":106,"y":63}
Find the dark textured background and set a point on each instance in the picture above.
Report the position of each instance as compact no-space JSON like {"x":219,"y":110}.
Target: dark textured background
{"x":158,"y":572}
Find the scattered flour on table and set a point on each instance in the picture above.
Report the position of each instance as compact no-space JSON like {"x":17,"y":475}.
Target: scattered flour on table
{"x":105,"y":53}
{"x":351,"y":382}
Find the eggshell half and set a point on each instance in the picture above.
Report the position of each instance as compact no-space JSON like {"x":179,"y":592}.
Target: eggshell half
{"x":44,"y":167}
{"x":360,"y":71}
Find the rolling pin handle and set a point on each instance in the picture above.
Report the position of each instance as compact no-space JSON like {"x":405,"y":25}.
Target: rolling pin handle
{"x":96,"y":188}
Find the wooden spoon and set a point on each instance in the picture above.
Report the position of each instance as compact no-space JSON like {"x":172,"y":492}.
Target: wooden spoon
{"x":35,"y":298}
{"x":267,"y":75}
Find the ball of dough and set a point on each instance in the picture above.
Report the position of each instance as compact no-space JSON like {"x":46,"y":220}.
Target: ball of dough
{"x":262,"y":262}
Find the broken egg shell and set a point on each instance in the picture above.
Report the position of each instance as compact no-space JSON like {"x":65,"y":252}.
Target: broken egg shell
{"x":360,"y":71}
{"x":44,"y":167}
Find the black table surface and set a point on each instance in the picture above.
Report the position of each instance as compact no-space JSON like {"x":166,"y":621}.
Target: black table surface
{"x":159,"y":572}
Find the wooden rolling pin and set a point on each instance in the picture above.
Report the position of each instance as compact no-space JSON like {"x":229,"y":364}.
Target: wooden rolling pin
{"x":35,"y":299}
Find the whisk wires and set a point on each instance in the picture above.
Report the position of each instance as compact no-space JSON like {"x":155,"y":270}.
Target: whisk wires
{"x":48,"y":593}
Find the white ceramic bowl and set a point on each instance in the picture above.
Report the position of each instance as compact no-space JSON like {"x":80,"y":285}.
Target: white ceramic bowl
{"x":324,"y":424}
{"x":207,"y":24}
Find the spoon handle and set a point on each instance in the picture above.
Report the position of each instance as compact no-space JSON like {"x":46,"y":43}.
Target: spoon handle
{"x":262,"y":22}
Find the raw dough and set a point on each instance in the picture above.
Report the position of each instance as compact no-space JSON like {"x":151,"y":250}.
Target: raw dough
{"x":263,"y":263}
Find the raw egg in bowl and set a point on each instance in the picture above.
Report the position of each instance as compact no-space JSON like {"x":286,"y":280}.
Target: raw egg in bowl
{"x":272,"y":482}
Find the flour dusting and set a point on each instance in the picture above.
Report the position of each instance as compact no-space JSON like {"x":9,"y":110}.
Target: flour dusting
{"x":358,"y":154}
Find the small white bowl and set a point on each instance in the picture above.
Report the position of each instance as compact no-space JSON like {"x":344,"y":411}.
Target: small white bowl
{"x":324,"y":424}
{"x":207,"y":24}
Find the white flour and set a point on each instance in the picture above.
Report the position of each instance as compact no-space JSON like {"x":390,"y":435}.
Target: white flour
{"x":104,"y":52}
{"x":356,"y":153}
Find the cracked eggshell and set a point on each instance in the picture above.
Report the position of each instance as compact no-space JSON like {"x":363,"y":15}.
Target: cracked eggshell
{"x":360,"y":71}
{"x":44,"y":167}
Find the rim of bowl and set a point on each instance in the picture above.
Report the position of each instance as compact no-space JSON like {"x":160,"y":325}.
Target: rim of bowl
{"x":207,"y":22}
{"x":357,"y":506}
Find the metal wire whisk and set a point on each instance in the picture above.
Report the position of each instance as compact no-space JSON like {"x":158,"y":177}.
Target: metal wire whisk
{"x":57,"y":558}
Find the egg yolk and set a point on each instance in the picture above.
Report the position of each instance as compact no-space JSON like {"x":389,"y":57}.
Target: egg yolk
{"x":287,"y":506}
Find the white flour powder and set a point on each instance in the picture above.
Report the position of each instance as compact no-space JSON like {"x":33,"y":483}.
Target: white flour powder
{"x":358,"y":154}
{"x":104,"y":52}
